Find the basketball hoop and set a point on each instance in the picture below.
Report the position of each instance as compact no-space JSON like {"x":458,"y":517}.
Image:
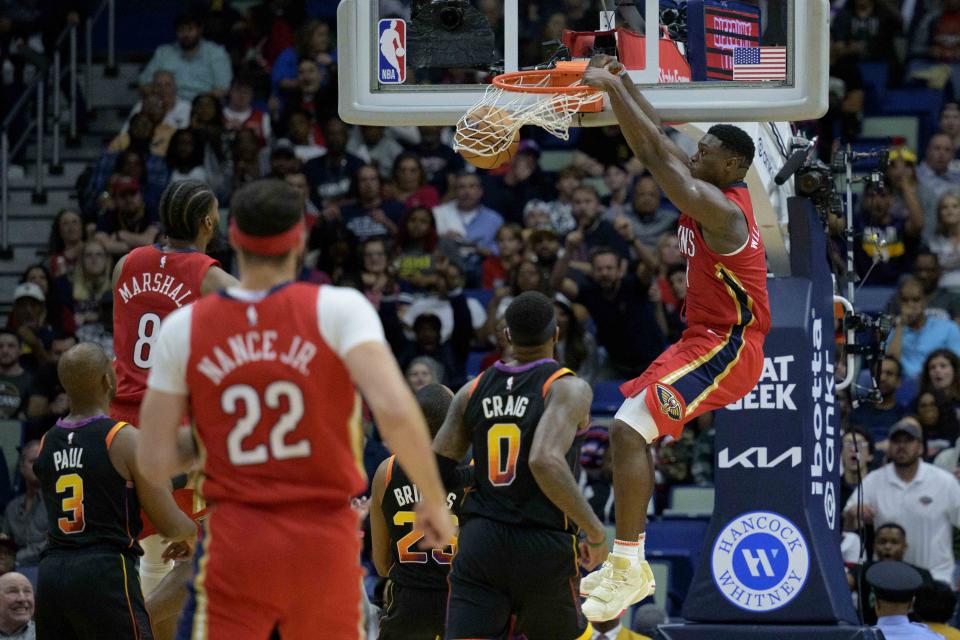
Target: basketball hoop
{"x":547,"y":98}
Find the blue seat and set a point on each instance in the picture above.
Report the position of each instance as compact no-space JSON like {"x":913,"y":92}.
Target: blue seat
{"x":678,"y":542}
{"x":923,"y":103}
{"x":875,"y":77}
{"x":873,"y":299}
{"x":473,"y":363}
{"x":908,"y":390}
{"x":606,"y":397}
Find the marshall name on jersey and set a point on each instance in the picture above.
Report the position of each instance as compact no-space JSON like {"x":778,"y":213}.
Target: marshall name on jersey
{"x":161,"y":283}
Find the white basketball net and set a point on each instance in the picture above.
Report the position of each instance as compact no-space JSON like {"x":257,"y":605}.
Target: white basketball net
{"x":492,"y":125}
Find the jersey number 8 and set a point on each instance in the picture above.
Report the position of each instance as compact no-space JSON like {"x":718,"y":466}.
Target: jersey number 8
{"x":288,"y":422}
{"x":148,"y":331}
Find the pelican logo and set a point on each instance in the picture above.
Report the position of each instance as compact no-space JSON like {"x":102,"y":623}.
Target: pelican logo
{"x":669,"y":402}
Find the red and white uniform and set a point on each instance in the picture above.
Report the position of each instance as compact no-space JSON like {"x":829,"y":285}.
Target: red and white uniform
{"x":152,"y":284}
{"x":719,"y":358}
{"x":278,"y":423}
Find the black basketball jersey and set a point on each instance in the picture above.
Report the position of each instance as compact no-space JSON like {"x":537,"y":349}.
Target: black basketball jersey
{"x":503,"y":412}
{"x":412,"y":566}
{"x":88,"y":502}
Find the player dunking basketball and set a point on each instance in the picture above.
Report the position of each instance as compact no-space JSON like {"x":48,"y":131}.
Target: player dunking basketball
{"x":149,"y":283}
{"x":267,"y":372}
{"x":518,"y":552}
{"x":719,"y":358}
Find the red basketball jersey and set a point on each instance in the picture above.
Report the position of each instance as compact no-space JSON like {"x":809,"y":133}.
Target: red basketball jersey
{"x":276,"y":414}
{"x":152,"y":284}
{"x":726,"y":290}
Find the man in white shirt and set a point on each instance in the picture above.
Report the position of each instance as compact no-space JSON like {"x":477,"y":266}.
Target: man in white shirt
{"x":465,"y":220}
{"x":176,"y":110}
{"x":923,"y":498}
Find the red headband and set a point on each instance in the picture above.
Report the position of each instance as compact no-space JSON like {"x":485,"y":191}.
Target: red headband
{"x":267,"y":245}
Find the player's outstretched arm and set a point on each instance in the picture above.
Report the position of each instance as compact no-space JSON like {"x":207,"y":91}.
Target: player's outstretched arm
{"x":567,"y":410}
{"x":379,"y":535}
{"x":701,"y":200}
{"x":156,"y":498}
{"x":217,"y":279}
{"x":376,"y":374}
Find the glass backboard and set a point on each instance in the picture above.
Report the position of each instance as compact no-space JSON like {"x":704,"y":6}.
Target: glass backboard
{"x":426,"y":62}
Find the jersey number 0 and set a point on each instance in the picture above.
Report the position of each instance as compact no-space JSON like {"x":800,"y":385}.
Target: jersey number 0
{"x":247,"y":396}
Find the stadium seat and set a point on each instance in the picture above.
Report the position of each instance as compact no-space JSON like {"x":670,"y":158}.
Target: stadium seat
{"x":924,"y":103}
{"x":607,"y":397}
{"x":875,"y":78}
{"x":874,"y":299}
{"x":661,"y":574}
{"x":908,"y":390}
{"x":690,"y":501}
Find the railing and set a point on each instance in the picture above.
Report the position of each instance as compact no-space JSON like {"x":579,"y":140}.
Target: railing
{"x":48,"y":81}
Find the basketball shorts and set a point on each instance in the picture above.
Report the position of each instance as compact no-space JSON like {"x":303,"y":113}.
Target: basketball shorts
{"x":294,"y":569}
{"x":504,"y":575}
{"x":410,"y":613}
{"x":83,"y":595}
{"x":705,"y":370}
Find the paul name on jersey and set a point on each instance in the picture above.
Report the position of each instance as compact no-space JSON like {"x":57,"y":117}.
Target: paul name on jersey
{"x":154,"y":282}
{"x":256,"y":346}
{"x":68,"y":459}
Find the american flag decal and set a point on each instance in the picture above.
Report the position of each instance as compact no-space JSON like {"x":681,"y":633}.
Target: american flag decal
{"x":759,"y":63}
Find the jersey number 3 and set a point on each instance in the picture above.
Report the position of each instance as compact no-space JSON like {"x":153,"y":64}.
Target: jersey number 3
{"x":71,"y":486}
{"x":288,"y":422}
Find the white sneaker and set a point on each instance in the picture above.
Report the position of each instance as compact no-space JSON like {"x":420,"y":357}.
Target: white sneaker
{"x":593,"y":579}
{"x":627,"y":583}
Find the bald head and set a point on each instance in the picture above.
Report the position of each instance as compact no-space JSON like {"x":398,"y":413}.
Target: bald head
{"x":434,"y":400}
{"x":16,"y":602}
{"x":82,"y":370}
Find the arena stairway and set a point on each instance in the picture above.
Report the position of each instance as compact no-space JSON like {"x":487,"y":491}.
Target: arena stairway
{"x":110,"y":100}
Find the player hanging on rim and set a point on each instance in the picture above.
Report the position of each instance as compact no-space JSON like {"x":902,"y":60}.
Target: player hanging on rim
{"x":267,"y":371}
{"x":517,"y":549}
{"x":719,"y":358}
{"x":148,"y":284}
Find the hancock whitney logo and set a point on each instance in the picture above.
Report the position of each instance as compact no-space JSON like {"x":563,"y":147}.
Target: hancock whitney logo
{"x":670,"y":404}
{"x":760,"y":561}
{"x":392,"y":65}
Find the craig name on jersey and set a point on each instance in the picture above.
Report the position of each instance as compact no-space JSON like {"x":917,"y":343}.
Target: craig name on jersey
{"x":501,"y":406}
{"x":256,"y":346}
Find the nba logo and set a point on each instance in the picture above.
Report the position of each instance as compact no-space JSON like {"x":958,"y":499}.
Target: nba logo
{"x":392,"y":65}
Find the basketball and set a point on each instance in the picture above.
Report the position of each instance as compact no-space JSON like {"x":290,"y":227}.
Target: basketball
{"x":485,"y":128}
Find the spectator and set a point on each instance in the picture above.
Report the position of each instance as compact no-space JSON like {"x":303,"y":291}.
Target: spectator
{"x":648,"y":219}
{"x":877,"y":418}
{"x":845,"y":104}
{"x":126,"y":224}
{"x":509,"y":255}
{"x":239,"y":113}
{"x":949,"y":122}
{"x":940,"y":302}
{"x":938,"y":419}
{"x":8,"y":554}
{"x":135,"y":162}
{"x":409,"y":184}
{"x":561,"y":209}
{"x":935,"y":605}
{"x":299,"y":182}
{"x":25,"y":518}
{"x":312,"y":41}
{"x":856,"y":458}
{"x":47,"y":400}
{"x":176,"y":110}
{"x":938,"y":35}
{"x":626,"y":319}
{"x":90,"y":281}
{"x":946,"y":242}
{"x":910,"y":198}
{"x":144,"y":134}
{"x":617,"y":181}
{"x":576,"y":349}
{"x":468,"y":222}
{"x":16,"y":607}
{"x":313,"y":93}
{"x":206,"y":121}
{"x":338,"y":257}
{"x":370,"y":144}
{"x":15,"y":381}
{"x":888,"y":244}
{"x":544,"y":244}
{"x":934,"y":173}
{"x":416,"y":241}
{"x":863,"y":30}
{"x":422,"y":371}
{"x":100,"y":331}
{"x":508,"y":191}
{"x":917,"y":335}
{"x":441,"y":163}
{"x":599,"y":147}
{"x":941,"y":372}
{"x":673,"y":308}
{"x":29,"y":316}
{"x":369,"y":215}
{"x":246,"y":158}
{"x":889,"y":544}
{"x":283,"y":161}
{"x":185,"y":157}
{"x":377,"y":278}
{"x":523,"y":277}
{"x":329,"y":175}
{"x":198,"y":65}
{"x":302,"y":134}
{"x":67,"y":236}
{"x":595,"y":231}
{"x":924,"y":498}
{"x":58,"y":315}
